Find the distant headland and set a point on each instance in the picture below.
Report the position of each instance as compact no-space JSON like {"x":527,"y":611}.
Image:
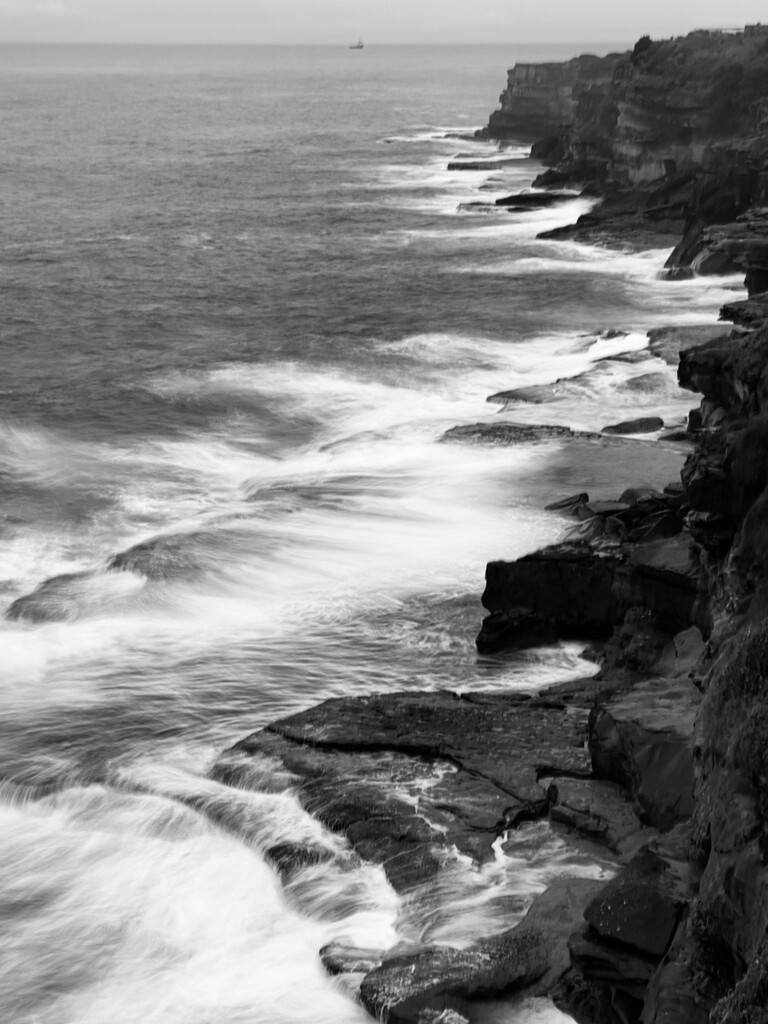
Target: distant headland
{"x":674,"y":136}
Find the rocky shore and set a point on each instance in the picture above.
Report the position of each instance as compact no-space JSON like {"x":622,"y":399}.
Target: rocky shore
{"x":660,"y":760}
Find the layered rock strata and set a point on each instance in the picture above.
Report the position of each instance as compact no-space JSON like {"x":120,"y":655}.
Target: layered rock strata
{"x":675,"y":136}
{"x":539,"y":98}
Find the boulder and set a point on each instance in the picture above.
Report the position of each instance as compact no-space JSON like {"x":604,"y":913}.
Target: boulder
{"x":516,"y":627}
{"x":166,"y":557}
{"x":409,"y":989}
{"x":646,"y":383}
{"x":441,"y":978}
{"x":631,"y":910}
{"x":566,"y":586}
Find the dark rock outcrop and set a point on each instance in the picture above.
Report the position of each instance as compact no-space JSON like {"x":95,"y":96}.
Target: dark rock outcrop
{"x":686,"y":737}
{"x":443,"y":978}
{"x":472,"y":163}
{"x":712,"y":765}
{"x":641,"y":425}
{"x":630,"y":563}
{"x":508,"y":433}
{"x":523,"y":201}
{"x":567,"y":589}
{"x":344,"y":754}
{"x":491,"y":761}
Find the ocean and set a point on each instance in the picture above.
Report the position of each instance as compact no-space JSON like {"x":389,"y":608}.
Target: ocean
{"x":241,"y":303}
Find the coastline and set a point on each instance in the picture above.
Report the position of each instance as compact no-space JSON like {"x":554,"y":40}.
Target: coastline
{"x":616,"y":761}
{"x":204,"y":536}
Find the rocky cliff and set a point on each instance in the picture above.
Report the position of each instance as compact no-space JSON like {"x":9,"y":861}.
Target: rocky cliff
{"x":674,"y":132}
{"x":679,"y":581}
{"x":540,"y":98}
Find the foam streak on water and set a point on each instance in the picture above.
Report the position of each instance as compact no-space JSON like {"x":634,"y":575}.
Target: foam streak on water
{"x":236,"y":325}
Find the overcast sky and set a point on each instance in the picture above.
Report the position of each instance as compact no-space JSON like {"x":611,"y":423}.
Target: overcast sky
{"x":376,"y":21}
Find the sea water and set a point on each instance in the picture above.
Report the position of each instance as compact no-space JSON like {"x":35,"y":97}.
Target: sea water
{"x":241,"y":304}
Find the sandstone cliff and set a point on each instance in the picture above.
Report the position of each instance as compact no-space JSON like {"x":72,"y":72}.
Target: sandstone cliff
{"x":675,"y":132}
{"x":540,"y":98}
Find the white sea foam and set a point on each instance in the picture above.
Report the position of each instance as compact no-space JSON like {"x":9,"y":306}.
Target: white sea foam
{"x":126,"y":907}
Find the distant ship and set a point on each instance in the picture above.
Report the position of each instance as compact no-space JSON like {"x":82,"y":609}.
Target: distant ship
{"x":358,"y":45}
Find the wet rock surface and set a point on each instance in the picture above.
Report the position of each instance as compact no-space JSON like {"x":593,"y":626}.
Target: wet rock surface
{"x":437,"y":980}
{"x":510,"y":433}
{"x":641,"y":425}
{"x":668,"y":342}
{"x":444,"y":978}
{"x":471,"y":764}
{"x":621,"y":221}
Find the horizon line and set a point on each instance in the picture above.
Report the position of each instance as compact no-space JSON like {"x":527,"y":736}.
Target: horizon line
{"x":341,"y":43}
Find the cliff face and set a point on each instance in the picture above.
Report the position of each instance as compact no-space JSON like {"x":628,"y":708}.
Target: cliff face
{"x":674,"y":132}
{"x":541,"y":98}
{"x":678,"y":583}
{"x":727,"y":483}
{"x":645,"y":114}
{"x":679,"y":126}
